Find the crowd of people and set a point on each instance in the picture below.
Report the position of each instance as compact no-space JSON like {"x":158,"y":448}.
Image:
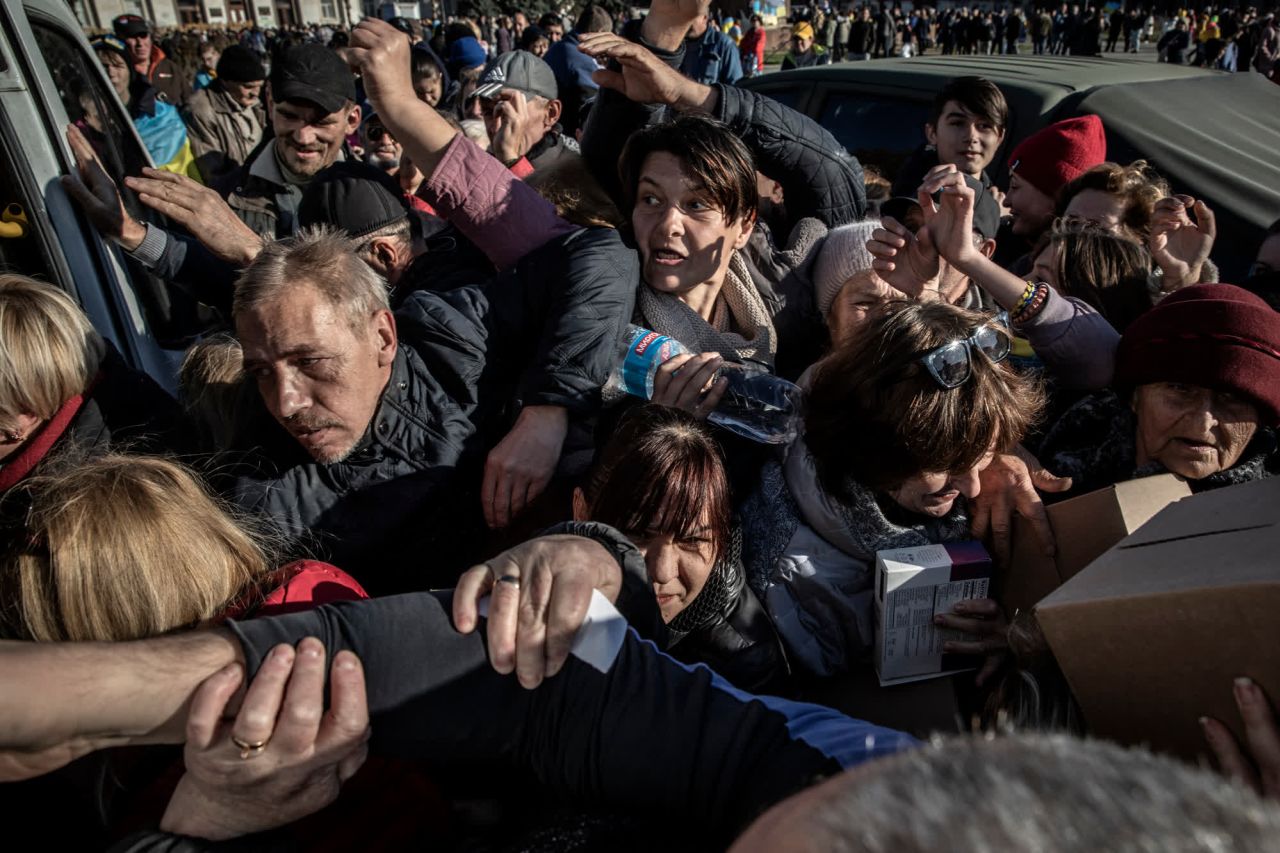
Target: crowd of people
{"x":409,"y":561}
{"x":1228,"y":38}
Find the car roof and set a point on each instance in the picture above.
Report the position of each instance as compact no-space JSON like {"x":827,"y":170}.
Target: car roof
{"x":1216,"y":136}
{"x":1053,"y":76}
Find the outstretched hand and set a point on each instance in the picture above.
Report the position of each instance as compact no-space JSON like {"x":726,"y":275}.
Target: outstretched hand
{"x":1256,"y":763}
{"x":984,"y":621}
{"x":1179,"y":245}
{"x":379,"y":53}
{"x":668,"y":21}
{"x":519,"y":468}
{"x":201,"y":211}
{"x":643,"y":78}
{"x":517,"y":127}
{"x":950,"y":219}
{"x":1009,"y":487}
{"x":691,"y":382}
{"x":539,"y":594}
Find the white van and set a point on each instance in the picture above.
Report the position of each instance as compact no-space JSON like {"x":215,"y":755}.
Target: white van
{"x":48,"y":76}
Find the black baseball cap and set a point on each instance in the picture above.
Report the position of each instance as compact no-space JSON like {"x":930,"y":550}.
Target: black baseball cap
{"x":240,"y":65}
{"x":986,"y":211}
{"x":127,"y":26}
{"x":355,"y":197}
{"x":313,"y":73}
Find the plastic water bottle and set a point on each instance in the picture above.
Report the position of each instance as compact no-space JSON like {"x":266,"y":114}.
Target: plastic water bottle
{"x":756,"y":405}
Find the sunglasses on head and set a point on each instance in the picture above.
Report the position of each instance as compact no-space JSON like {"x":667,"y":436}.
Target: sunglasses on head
{"x":951,"y":364}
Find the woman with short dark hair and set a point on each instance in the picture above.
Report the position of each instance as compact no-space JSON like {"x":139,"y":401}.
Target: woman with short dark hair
{"x":711,"y":275}
{"x":661,"y":480}
{"x":900,"y":423}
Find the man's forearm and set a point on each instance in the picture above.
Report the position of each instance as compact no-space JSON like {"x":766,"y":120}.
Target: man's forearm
{"x":116,"y":693}
{"x":420,"y":130}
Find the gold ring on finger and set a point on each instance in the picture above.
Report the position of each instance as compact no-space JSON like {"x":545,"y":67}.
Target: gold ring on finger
{"x":250,"y":749}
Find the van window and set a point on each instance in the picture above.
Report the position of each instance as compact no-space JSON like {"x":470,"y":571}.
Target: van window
{"x":173,"y":316}
{"x":879,"y":131}
{"x":20,"y":251}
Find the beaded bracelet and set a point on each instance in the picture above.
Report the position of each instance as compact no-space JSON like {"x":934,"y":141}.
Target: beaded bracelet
{"x":1032,"y":308}
{"x":1027,"y":293}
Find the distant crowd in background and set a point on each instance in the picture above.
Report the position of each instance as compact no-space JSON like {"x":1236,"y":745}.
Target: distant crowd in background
{"x":1228,"y":38}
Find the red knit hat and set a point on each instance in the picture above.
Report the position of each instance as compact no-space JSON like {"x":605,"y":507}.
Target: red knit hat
{"x":1053,"y":156}
{"x":1211,"y":335}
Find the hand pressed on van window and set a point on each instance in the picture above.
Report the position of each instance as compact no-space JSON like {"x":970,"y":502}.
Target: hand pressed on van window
{"x":98,"y":196}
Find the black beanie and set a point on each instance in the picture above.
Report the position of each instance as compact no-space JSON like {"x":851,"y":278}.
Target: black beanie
{"x":240,"y":65}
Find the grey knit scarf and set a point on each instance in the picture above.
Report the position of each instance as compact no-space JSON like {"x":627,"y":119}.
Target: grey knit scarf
{"x":741,"y":329}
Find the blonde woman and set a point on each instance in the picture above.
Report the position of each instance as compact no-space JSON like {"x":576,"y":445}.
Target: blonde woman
{"x":61,"y":384}
{"x":122,"y":548}
{"x":126,"y":547}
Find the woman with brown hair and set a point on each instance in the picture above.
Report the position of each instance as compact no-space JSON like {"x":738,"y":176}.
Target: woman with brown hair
{"x":1108,"y":272}
{"x":1135,"y":203}
{"x":900,"y":424}
{"x":661,"y":480}
{"x":1121,"y":199}
{"x":713,"y":276}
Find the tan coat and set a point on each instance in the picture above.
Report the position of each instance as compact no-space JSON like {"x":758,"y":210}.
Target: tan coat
{"x":222,"y":133}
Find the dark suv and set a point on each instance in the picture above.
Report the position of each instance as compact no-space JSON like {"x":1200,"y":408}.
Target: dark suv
{"x":1213,"y":135}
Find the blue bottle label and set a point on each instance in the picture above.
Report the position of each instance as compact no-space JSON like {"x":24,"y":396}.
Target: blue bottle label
{"x":645,"y":353}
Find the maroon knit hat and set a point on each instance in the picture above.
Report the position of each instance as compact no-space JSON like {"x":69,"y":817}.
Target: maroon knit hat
{"x":1053,"y":156}
{"x":1211,"y":335}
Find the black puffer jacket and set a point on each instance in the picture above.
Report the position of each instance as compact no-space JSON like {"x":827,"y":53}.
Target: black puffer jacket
{"x":727,"y":628}
{"x":402,"y":512}
{"x":394,"y":513}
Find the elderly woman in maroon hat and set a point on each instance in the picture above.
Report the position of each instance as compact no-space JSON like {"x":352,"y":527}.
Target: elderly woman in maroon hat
{"x":1197,"y":394}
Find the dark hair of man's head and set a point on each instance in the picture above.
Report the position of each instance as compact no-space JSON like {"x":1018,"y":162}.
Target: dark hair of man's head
{"x":423,"y":64}
{"x":594,"y":19}
{"x":710,"y":154}
{"x":977,"y":95}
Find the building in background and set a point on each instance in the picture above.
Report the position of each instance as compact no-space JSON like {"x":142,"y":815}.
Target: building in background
{"x":98,"y":14}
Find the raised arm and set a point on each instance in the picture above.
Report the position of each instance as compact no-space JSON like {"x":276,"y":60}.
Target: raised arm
{"x":817,"y":176}
{"x":465,"y":184}
{"x":1072,"y":338}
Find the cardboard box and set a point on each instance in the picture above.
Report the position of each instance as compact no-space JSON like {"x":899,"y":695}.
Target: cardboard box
{"x":912,"y":586}
{"x":1083,"y":529}
{"x":1151,"y":634}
